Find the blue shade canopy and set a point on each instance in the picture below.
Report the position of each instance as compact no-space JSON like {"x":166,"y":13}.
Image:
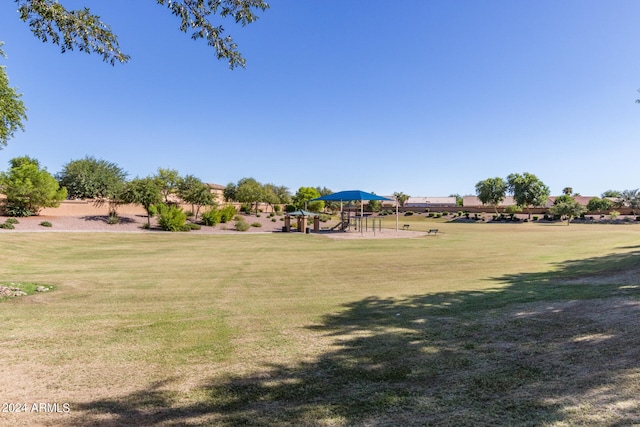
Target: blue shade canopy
{"x":350,"y":195}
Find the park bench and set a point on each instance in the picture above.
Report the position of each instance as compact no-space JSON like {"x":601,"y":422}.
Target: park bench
{"x":433,"y":230}
{"x":405,"y":227}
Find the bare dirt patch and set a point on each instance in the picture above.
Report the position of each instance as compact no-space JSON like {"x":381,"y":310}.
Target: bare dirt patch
{"x":135,"y":223}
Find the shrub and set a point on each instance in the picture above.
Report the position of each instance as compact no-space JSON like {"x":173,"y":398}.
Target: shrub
{"x":245,"y":208}
{"x":278,"y":209}
{"x":324,"y":217}
{"x":289,"y":208}
{"x":256,"y":224}
{"x":152,"y":211}
{"x":113,"y":219}
{"x":171,"y":218}
{"x":227,"y":213}
{"x":535,"y":217}
{"x":445,"y":213}
{"x":273,"y":220}
{"x":19,"y":211}
{"x":211,"y":217}
{"x":12,"y":221}
{"x":189,"y":214}
{"x":46,"y":224}
{"x":242,"y":225}
{"x":7,"y":226}
{"x":408,"y":213}
{"x":614,"y":214}
{"x":189,"y":226}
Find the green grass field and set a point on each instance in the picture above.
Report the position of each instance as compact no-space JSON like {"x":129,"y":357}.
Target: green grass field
{"x":481,"y":324}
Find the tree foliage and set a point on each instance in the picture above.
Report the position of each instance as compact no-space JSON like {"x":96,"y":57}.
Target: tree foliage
{"x":84,"y":31}
{"x":401,"y":197}
{"x":167,"y":180}
{"x":611,"y":193}
{"x":374,"y":205}
{"x":92,"y":178}
{"x":276,"y":194}
{"x":302,"y":197}
{"x":29,"y":188}
{"x":80,"y":29}
{"x":12,"y":109}
{"x":566,"y":205}
{"x":527,"y":190}
{"x":630,"y":198}
{"x":597,"y":204}
{"x":491,"y":191}
{"x":144,"y":192}
{"x":459,"y":199}
{"x":250,"y":191}
{"x":195,"y":192}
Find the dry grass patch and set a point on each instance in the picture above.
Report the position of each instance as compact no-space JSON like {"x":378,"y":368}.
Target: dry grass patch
{"x":479,"y":325}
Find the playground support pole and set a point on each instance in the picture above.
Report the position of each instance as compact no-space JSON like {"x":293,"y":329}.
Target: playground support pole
{"x":396,"y":213}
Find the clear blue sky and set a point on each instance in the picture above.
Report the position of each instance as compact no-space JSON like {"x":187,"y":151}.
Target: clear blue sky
{"x":422,"y":96}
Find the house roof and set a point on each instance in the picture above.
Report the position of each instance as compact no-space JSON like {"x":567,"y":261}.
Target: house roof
{"x":430,"y":200}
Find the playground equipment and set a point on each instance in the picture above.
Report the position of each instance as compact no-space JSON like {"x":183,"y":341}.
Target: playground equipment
{"x":357,"y":222}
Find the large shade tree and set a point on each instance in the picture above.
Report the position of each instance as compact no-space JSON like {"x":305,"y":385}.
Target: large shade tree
{"x":527,"y":190}
{"x":92,"y":178}
{"x":492,"y":191}
{"x":250,"y":192}
{"x":80,"y":29}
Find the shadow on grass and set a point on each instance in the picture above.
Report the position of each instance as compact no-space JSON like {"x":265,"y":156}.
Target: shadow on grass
{"x":545,"y":348}
{"x":105,"y":219}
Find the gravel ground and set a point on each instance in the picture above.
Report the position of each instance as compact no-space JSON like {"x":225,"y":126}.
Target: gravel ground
{"x":134,"y":223}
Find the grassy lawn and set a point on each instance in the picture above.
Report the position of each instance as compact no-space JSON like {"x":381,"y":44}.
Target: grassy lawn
{"x":481,"y":324}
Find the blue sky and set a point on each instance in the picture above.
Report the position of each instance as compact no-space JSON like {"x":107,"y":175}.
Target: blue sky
{"x":426,"y":97}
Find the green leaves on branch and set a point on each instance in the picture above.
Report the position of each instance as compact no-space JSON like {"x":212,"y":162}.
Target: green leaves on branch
{"x":80,"y":29}
{"x":194,"y":15}
{"x":12,"y":109}
{"x":566,"y":205}
{"x":492,"y":191}
{"x":527,"y":190}
{"x":71,"y":29}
